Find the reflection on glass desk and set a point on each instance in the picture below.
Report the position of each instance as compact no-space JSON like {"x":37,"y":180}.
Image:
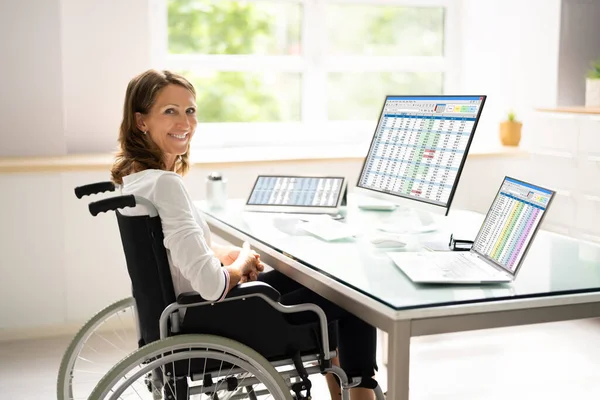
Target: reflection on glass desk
{"x":555,"y":264}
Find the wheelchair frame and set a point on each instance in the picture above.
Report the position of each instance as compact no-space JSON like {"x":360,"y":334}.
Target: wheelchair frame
{"x":171,"y":315}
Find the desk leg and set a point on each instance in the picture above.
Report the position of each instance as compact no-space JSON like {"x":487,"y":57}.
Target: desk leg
{"x":398,"y":361}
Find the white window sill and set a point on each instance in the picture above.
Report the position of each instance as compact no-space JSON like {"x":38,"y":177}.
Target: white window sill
{"x":220,"y":155}
{"x":224,"y":155}
{"x":334,"y":140}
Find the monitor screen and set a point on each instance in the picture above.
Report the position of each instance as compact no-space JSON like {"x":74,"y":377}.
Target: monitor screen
{"x":511,"y":223}
{"x":296,"y":191}
{"x":420,"y":146}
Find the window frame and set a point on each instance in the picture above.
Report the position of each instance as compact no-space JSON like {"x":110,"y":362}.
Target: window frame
{"x":313,"y":65}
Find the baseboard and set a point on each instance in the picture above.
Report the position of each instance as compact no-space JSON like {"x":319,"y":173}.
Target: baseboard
{"x":39,"y":332}
{"x":62,"y":330}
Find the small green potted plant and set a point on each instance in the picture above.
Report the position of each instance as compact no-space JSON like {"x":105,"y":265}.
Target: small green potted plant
{"x":592,"y":86}
{"x":510,"y":130}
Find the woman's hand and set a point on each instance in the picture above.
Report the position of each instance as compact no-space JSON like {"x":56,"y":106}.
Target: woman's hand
{"x":252,"y":276}
{"x":228,"y":254}
{"x":245,"y":268}
{"x":250,"y":264}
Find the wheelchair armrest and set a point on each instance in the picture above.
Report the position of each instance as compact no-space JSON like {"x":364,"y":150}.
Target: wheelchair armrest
{"x":241,"y":290}
{"x":245,"y":289}
{"x":189,"y":298}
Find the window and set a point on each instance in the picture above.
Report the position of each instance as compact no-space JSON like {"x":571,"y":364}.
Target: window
{"x":292,"y":71}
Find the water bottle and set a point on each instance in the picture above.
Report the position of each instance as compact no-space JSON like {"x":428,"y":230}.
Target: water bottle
{"x":216,"y":190}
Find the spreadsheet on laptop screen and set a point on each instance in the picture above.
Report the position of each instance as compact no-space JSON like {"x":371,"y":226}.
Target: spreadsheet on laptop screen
{"x":296,"y":191}
{"x":419,"y":146}
{"x":511,"y":222}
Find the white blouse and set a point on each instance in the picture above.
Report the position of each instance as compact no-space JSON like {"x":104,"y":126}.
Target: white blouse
{"x":193,"y":264}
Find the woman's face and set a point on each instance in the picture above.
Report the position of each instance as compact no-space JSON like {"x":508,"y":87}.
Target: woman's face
{"x":171,"y":121}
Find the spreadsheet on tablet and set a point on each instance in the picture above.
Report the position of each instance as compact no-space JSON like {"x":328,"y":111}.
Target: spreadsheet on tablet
{"x":419,"y":146}
{"x":296,"y":191}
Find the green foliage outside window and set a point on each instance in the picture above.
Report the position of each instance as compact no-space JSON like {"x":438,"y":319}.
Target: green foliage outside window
{"x":226,"y":27}
{"x":232,"y":27}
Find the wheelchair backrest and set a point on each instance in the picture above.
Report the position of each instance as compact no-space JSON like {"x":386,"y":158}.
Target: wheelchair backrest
{"x":148,"y":269}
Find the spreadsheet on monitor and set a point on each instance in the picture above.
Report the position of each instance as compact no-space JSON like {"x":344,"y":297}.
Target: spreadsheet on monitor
{"x":419,"y":146}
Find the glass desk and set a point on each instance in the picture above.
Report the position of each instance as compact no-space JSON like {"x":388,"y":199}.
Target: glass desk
{"x":559,"y":280}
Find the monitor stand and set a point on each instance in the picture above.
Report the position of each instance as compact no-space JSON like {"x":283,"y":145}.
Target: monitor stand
{"x":416,"y":221}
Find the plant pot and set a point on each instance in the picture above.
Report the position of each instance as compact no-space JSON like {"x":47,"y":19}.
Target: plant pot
{"x":592,"y":92}
{"x":510,"y":133}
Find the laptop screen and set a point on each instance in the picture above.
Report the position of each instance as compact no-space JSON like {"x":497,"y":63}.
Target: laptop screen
{"x":511,"y":223}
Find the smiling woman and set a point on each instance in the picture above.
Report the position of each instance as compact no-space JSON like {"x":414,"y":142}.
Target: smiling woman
{"x":170,"y":122}
{"x":159,"y":120}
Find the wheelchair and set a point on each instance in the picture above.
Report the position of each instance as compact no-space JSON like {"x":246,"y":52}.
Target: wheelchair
{"x":185,"y":347}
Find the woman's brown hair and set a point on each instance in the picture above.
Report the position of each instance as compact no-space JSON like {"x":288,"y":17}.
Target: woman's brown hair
{"x":137,"y":151}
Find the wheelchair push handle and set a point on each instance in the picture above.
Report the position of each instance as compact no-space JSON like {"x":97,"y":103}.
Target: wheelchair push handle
{"x":94,"y":188}
{"x":112,"y":204}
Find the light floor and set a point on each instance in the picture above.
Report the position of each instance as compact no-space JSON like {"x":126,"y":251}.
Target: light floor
{"x":547,"y":361}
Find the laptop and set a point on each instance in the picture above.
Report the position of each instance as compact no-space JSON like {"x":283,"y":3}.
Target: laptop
{"x":500,"y":247}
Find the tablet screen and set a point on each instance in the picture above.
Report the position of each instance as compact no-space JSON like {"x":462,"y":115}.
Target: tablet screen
{"x":296,"y":191}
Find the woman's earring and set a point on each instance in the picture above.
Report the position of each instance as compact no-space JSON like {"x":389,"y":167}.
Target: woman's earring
{"x":145,"y":132}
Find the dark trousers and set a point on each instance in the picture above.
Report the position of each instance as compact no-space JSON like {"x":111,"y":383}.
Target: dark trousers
{"x":357,"y":340}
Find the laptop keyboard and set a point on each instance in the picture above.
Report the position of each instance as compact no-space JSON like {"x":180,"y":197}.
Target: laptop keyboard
{"x":460,"y":267}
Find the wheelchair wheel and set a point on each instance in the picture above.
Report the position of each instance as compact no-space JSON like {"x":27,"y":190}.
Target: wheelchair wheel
{"x":106,"y":338}
{"x":193,"y":366}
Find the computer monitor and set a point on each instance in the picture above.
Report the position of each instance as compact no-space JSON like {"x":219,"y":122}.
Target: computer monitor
{"x":419,"y":149}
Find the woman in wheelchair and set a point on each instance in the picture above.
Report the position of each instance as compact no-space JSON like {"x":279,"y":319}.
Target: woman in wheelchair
{"x":158,"y":124}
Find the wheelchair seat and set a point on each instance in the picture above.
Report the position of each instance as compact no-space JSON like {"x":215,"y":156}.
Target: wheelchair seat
{"x":256,"y":324}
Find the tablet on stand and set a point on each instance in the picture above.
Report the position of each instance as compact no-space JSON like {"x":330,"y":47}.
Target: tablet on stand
{"x":298,"y":194}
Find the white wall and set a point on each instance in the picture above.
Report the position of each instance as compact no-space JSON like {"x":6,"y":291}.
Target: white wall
{"x":579,"y":47}
{"x":510,"y":53}
{"x":32,"y":248}
{"x":104,"y":44}
{"x":64,"y":67}
{"x":31,"y":106}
